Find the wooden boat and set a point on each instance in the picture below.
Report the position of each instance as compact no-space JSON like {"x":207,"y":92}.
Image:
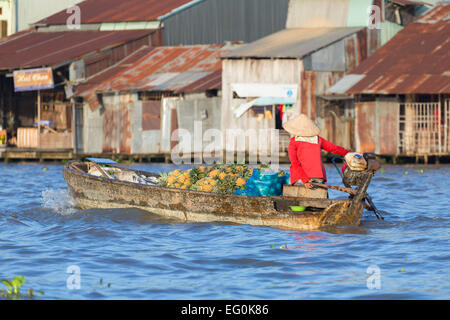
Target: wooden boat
{"x":198,"y":206}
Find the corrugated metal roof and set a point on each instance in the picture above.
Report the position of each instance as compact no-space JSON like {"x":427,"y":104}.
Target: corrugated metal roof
{"x":415,"y":61}
{"x":346,"y":83}
{"x":34,"y":49}
{"x":409,"y":2}
{"x":292,"y":43}
{"x":175,"y":69}
{"x":100,"y":11}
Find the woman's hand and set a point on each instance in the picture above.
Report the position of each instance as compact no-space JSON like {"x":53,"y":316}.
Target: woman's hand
{"x":308,"y":184}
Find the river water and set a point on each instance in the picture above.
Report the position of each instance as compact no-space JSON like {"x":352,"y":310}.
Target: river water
{"x":131,"y":254}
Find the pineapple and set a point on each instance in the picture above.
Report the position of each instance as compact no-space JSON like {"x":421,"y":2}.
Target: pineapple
{"x":240,"y":182}
{"x":171,"y":179}
{"x":176,"y":172}
{"x":213,"y":173}
{"x":163,"y":179}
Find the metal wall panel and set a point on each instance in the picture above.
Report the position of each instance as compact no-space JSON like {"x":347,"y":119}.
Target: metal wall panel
{"x":110,"y":126}
{"x":151,"y":115}
{"x":217,"y":21}
{"x":387,"y":120}
{"x":168,"y":122}
{"x":189,"y":112}
{"x":365,"y":126}
{"x":92,"y":129}
{"x":376,"y":126}
{"x":317,"y":13}
{"x":313,"y":84}
{"x":330,"y":58}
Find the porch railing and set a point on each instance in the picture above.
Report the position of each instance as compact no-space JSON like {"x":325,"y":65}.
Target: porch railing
{"x":424,"y":128}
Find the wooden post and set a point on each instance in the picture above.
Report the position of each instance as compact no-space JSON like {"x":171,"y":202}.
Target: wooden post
{"x":39,"y":118}
{"x":409,"y":143}
{"x":438,"y":120}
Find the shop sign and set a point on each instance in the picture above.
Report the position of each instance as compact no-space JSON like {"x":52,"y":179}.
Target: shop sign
{"x":33,"y":79}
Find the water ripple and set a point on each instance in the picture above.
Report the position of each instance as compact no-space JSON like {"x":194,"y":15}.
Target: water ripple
{"x":132,"y":254}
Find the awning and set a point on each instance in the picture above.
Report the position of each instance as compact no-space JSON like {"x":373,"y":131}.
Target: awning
{"x":265,"y":90}
{"x":239,"y":110}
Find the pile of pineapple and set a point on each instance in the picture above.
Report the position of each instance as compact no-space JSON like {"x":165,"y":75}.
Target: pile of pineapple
{"x":224,"y":179}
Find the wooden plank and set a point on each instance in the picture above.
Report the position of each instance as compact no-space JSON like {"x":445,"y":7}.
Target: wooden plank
{"x":20,"y":155}
{"x":303,"y":192}
{"x":327,"y":186}
{"x":76,"y":168}
{"x":103,"y":172}
{"x":55,"y":155}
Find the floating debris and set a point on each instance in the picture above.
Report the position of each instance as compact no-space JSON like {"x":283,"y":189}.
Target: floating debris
{"x":284,"y":246}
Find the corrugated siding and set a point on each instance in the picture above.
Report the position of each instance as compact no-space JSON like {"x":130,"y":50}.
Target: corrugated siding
{"x":217,"y":21}
{"x":326,"y":13}
{"x":389,"y":30}
{"x":169,"y":122}
{"x":118,"y":127}
{"x":189,"y":112}
{"x":330,"y":58}
{"x":92,"y":130}
{"x":365,"y":126}
{"x":358,"y":12}
{"x":314,"y":83}
{"x":376,"y":124}
{"x":317,"y":13}
{"x":151,"y":115}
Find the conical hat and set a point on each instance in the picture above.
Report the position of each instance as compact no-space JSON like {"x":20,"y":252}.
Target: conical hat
{"x":302,"y":126}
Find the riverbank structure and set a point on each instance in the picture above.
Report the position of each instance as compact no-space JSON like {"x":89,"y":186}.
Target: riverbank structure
{"x":401,"y":93}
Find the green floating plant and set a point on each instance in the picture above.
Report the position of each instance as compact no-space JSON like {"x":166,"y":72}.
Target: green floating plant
{"x":13,"y":288}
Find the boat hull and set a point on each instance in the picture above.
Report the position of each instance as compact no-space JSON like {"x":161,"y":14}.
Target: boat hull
{"x":197,"y":206}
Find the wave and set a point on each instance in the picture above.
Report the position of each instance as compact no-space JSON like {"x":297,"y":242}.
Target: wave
{"x":58,"y":201}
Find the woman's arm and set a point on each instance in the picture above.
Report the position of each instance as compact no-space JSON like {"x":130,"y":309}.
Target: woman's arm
{"x":328,"y":146}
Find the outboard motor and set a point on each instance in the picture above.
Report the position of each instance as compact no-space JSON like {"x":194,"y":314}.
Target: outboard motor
{"x":358,"y":170}
{"x":357,"y":166}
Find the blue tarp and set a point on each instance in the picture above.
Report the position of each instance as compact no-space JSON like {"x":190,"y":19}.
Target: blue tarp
{"x":101,"y":160}
{"x":264,"y":184}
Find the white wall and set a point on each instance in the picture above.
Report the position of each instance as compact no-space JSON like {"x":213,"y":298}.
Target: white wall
{"x":31,"y":11}
{"x":7,"y":14}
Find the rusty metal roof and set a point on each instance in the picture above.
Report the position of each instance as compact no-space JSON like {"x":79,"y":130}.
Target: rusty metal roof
{"x":175,"y":69}
{"x":35,"y":49}
{"x":103,"y":11}
{"x":415,"y":61}
{"x":292,"y":43}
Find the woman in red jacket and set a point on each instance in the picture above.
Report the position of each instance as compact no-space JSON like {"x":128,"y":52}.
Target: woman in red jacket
{"x":305,"y":151}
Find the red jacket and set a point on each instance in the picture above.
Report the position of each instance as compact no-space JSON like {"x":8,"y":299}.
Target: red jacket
{"x":306,"y":159}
